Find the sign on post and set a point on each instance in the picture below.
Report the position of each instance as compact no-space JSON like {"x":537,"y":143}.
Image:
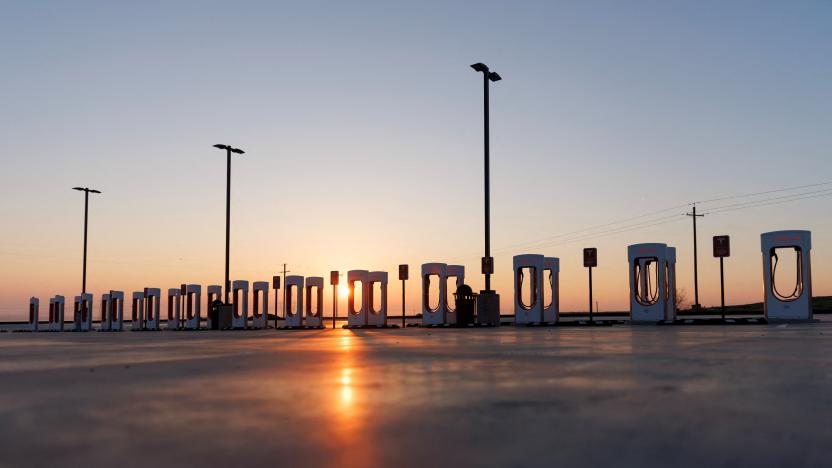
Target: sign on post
{"x":591,"y":257}
{"x":403,"y":272}
{"x":488,"y":265}
{"x":275,"y":282}
{"x":722,"y":246}
{"x":333,"y":278}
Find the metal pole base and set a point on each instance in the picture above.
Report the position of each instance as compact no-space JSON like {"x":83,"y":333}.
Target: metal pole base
{"x":488,"y":308}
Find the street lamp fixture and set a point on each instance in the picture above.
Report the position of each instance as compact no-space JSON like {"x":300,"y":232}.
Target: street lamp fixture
{"x":87,"y":191}
{"x":228,"y":150}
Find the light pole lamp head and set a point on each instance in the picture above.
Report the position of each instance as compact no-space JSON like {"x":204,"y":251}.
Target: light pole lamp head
{"x":222,"y":147}
{"x":80,"y":189}
{"x":493,"y":76}
{"x":94,"y":191}
{"x":480,"y":67}
{"x":237,"y":151}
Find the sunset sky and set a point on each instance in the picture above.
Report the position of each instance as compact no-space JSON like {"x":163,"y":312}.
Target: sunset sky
{"x":363,"y":136}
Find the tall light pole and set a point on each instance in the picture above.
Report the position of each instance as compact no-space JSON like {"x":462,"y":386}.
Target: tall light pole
{"x":228,"y":150}
{"x":87,"y":192}
{"x":488,"y":262}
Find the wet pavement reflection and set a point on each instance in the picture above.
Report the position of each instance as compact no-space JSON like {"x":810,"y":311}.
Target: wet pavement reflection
{"x":630,"y":396}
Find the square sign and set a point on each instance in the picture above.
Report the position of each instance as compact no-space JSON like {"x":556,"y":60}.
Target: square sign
{"x":403,"y":272}
{"x":722,"y":246}
{"x":333,"y":277}
{"x":488,"y":265}
{"x":183,"y":289}
{"x":590,"y":257}
{"x":275,"y":282}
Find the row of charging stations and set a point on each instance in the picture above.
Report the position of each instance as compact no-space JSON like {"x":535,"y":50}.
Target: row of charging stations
{"x":441,"y":312}
{"x":652,"y":279}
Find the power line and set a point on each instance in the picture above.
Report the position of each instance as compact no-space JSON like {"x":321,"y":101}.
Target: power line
{"x":760,"y":203}
{"x":786,"y":189}
{"x":782,"y":197}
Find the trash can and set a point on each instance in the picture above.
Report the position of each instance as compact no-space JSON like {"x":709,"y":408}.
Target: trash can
{"x":466,"y":305}
{"x":214,"y":315}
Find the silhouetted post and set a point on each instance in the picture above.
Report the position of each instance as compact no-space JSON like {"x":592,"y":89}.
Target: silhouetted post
{"x":333,"y":280}
{"x":228,"y":150}
{"x":590,"y":260}
{"x":722,"y":249}
{"x":695,"y":262}
{"x":487,"y":76}
{"x":722,"y":286}
{"x":590,"y":294}
{"x":87,"y":192}
{"x":403,"y":275}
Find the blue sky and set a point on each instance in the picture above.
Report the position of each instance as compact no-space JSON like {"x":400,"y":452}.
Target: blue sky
{"x":362,"y":126}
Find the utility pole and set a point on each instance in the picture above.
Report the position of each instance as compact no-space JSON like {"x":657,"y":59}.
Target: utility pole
{"x":693,"y":215}
{"x":87,"y":192}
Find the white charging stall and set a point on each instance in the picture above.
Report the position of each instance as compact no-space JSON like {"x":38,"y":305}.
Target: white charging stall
{"x":648,"y":282}
{"x":528,"y":268}
{"x":551,"y":305}
{"x":138,"y":319}
{"x":115,"y":309}
{"x":670,"y":293}
{"x":82,"y":312}
{"x":174,"y":308}
{"x":193,"y":306}
{"x":357,"y":317}
{"x":214,"y":293}
{"x":34,"y":312}
{"x":105,"y":320}
{"x":377,"y":317}
{"x":57,"y":307}
{"x":782,"y":301}
{"x":239,"y":301}
{"x":293,"y":304}
{"x":314,"y":289}
{"x":259,"y":304}
{"x":153,"y":304}
{"x":434,"y":315}
{"x":457,"y":273}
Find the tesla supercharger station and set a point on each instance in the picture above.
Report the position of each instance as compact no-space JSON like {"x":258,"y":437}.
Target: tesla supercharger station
{"x":193,"y":306}
{"x":551,"y":305}
{"x":787,"y":303}
{"x":57,"y":305}
{"x":82,"y":312}
{"x":648,"y":282}
{"x":357,"y":318}
{"x":670,"y":294}
{"x":239,"y":301}
{"x":528,"y":268}
{"x":104,"y":324}
{"x":259,"y":304}
{"x":457,"y":272}
{"x":174,"y":308}
{"x":314,"y":289}
{"x":214,"y":293}
{"x":137,"y":308}
{"x":153,"y":307}
{"x":293,"y":304}
{"x":116,"y":310}
{"x":430,"y":315}
{"x":34,"y":310}
{"x":377,"y":317}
